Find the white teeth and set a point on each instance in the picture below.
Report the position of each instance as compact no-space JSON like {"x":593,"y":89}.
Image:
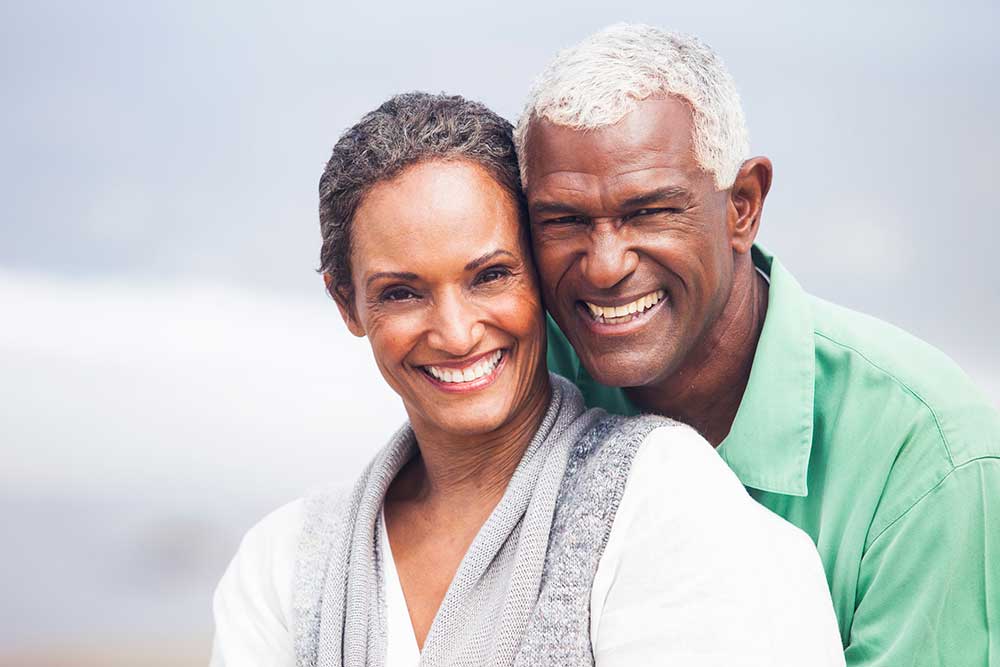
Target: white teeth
{"x":474,"y":372}
{"x":605,"y":313}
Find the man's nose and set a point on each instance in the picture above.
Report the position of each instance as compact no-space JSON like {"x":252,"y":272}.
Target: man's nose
{"x":457,"y":325}
{"x":609,"y":259}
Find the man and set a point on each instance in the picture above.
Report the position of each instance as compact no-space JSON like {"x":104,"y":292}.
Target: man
{"x":644,"y":210}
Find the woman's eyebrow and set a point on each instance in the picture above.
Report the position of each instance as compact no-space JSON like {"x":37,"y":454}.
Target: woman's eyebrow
{"x":482,"y":259}
{"x":394,"y":275}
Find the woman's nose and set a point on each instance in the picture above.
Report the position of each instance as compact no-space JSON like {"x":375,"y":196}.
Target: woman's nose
{"x":608,"y":259}
{"x":457,"y":326}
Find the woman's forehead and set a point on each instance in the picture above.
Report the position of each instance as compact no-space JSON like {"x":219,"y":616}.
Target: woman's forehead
{"x":437,"y":215}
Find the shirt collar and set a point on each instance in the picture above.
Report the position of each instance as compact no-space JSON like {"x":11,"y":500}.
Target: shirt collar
{"x":770,"y":441}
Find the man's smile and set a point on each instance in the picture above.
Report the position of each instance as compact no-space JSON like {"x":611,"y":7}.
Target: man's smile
{"x":621,"y":312}
{"x":621,"y":316}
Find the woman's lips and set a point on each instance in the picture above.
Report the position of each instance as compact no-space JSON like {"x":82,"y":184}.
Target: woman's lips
{"x":476,"y":374}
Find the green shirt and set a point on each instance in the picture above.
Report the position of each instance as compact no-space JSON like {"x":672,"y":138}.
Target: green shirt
{"x":881,"y":449}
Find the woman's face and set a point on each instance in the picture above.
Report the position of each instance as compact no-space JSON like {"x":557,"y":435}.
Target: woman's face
{"x":445,"y":291}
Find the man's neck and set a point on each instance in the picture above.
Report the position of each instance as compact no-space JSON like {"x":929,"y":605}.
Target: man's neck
{"x":707,"y":389}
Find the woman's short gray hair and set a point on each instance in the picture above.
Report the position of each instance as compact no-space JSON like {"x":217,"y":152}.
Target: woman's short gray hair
{"x":406,"y":130}
{"x":597,"y":82}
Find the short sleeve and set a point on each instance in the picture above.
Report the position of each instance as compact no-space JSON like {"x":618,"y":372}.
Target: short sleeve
{"x":253,"y":601}
{"x":696,"y":573}
{"x":929,"y":585}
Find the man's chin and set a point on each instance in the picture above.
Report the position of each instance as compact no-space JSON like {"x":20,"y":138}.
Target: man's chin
{"x":615,"y":372}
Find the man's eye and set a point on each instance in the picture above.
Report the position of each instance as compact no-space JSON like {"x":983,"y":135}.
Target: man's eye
{"x":397,"y":294}
{"x":564,"y":220}
{"x":644,"y":212}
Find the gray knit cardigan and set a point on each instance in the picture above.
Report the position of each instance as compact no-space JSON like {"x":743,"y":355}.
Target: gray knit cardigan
{"x":521,"y":595}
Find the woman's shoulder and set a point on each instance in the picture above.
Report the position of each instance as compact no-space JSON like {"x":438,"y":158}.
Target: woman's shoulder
{"x":280,"y":525}
{"x":681,"y":492}
{"x":690,"y":551}
{"x":253,"y":601}
{"x":679,"y":481}
{"x":279,"y":532}
{"x":266,"y":555}
{"x":657,"y":449}
{"x":637,"y":455}
{"x":674,"y":458}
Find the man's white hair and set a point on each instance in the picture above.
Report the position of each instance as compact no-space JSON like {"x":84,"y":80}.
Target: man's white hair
{"x":597,"y":82}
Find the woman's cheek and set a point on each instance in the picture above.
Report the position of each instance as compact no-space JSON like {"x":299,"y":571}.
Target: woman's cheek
{"x":520,"y":312}
{"x":392,"y":330}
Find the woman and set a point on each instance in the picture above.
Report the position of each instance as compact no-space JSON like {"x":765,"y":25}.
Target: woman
{"x":504,"y":524}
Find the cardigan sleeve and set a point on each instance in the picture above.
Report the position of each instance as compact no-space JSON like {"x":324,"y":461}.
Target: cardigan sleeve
{"x":696,"y":573}
{"x":253,"y":601}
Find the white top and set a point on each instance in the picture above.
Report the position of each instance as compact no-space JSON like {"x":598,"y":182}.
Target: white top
{"x":695,"y":573}
{"x":401,"y":643}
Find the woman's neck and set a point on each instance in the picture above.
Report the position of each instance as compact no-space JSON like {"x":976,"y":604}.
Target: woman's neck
{"x":471,"y":471}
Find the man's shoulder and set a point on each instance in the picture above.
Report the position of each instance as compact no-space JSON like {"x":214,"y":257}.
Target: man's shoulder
{"x":888,"y":369}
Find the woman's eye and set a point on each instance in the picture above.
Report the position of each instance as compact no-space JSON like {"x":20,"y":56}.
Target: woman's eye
{"x":492,"y":275}
{"x":397,"y":294}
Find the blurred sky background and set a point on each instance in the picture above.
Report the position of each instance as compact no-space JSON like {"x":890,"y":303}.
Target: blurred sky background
{"x":170,"y":367}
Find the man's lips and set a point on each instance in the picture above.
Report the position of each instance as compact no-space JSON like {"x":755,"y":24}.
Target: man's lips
{"x":621,"y":316}
{"x":621,"y":310}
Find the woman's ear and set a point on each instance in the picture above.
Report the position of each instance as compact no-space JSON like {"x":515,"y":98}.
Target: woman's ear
{"x":747,"y":202}
{"x":345,"y":304}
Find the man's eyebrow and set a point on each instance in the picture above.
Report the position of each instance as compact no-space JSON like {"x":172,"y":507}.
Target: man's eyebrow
{"x":654,"y":197}
{"x":483,"y":259}
{"x":544,"y":206}
{"x":638,"y":201}
{"x":393,"y":275}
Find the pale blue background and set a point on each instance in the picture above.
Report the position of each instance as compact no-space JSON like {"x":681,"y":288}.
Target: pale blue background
{"x":169,"y":365}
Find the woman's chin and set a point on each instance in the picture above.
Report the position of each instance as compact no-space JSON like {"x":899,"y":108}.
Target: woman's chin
{"x":475,"y":414}
{"x":469,"y":420}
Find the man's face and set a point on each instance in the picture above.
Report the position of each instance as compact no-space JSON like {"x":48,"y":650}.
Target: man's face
{"x":632,"y":242}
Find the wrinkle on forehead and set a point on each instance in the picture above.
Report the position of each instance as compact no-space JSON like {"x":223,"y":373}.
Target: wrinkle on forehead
{"x":432,"y":219}
{"x":603,"y":196}
{"x":657,"y":133}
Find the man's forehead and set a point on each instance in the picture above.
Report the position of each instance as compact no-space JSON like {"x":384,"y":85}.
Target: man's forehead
{"x":655,"y":135}
{"x":571,"y":185}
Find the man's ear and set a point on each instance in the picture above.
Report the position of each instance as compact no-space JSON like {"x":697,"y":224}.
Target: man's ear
{"x":345,"y":304}
{"x":746,"y":200}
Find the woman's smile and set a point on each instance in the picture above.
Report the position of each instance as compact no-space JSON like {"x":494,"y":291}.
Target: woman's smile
{"x":448,"y":299}
{"x":471,"y":374}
